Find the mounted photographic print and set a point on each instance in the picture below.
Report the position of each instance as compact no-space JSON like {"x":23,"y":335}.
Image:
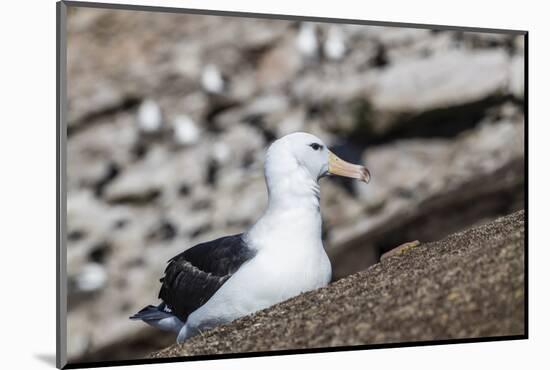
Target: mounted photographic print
{"x":235,"y":184}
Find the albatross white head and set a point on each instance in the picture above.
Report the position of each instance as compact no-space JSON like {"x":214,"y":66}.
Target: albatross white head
{"x":288,"y":236}
{"x":294,"y":165}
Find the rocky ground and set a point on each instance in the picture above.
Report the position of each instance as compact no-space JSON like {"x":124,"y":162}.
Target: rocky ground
{"x":468,"y":285}
{"x":169,"y":116}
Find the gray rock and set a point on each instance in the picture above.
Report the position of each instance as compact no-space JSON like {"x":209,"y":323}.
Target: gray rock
{"x":453,"y":78}
{"x":161,"y":169}
{"x":416,"y":179}
{"x":278,"y":65}
{"x":517,"y":76}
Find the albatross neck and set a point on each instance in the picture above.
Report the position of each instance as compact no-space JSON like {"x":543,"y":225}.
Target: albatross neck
{"x":292,"y":216}
{"x":295,"y":192}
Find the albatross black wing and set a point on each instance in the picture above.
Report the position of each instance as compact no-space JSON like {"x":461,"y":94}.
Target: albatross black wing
{"x":192,"y":277}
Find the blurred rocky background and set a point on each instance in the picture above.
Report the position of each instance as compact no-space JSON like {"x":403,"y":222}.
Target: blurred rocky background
{"x":169,"y":116}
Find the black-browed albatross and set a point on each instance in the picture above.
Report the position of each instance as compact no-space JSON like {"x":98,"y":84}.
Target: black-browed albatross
{"x":279,"y":257}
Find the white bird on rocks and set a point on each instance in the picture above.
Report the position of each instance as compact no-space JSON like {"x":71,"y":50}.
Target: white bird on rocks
{"x":306,"y":40}
{"x":92,"y":277}
{"x":212,"y":79}
{"x":334,"y":47}
{"x":186,"y":131}
{"x":279,"y":257}
{"x":149,"y":116}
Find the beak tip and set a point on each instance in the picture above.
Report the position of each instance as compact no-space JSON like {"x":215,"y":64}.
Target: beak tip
{"x":366,"y":175}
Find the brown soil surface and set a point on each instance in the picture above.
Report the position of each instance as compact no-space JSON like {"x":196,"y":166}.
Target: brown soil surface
{"x":470,"y":284}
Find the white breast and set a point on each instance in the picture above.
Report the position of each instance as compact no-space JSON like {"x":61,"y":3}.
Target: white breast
{"x":290,"y":260}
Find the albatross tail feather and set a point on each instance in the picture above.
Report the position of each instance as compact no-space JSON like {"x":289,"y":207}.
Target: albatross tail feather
{"x":159,"y":317}
{"x":150,"y":313}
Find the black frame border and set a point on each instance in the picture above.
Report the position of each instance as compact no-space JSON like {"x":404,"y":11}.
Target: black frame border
{"x":61,"y":196}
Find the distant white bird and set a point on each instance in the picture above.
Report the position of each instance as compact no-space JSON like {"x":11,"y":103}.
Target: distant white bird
{"x":186,"y":132}
{"x":221,"y":152}
{"x":280,"y":256}
{"x":149,"y":116}
{"x":212,"y":80}
{"x":334,"y":46}
{"x":92,"y":277}
{"x":306,"y":40}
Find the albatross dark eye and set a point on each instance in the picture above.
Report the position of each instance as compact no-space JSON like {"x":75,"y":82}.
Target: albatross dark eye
{"x":316,"y":146}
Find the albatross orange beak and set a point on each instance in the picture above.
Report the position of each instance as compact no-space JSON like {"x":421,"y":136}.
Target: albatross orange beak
{"x":337,"y":166}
